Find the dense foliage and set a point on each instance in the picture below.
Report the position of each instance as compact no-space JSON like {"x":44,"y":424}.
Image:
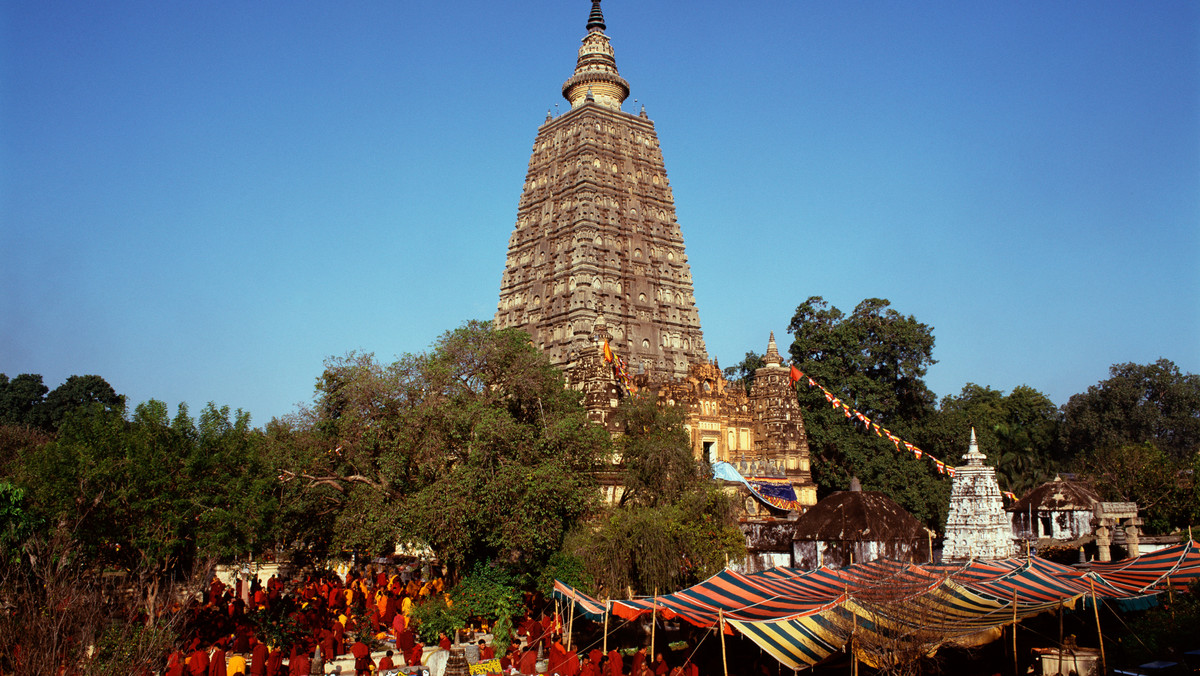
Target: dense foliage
{"x":673,"y":527}
{"x":474,"y":449}
{"x":1135,"y":435}
{"x":874,"y":360}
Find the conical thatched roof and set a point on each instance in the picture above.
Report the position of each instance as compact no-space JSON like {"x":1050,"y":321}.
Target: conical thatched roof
{"x":1059,"y":495}
{"x":858,"y":516}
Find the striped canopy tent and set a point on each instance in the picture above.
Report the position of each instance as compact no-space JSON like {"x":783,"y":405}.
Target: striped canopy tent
{"x":581,"y":603}
{"x":1175,"y":566}
{"x":803,"y":617}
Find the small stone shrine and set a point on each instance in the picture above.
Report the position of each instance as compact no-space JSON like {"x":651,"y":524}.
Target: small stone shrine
{"x":977,"y":526}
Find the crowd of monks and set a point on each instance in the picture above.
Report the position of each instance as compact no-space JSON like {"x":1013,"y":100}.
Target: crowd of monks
{"x":329,"y":619}
{"x":293,"y":628}
{"x":594,"y":662}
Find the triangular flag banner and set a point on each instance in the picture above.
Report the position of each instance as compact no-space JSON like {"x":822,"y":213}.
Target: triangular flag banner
{"x":852,"y":414}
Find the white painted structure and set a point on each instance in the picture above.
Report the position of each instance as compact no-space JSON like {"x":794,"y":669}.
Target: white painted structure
{"x":977,"y":526}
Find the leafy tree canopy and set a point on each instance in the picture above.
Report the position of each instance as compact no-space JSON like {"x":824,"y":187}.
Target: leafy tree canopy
{"x":673,"y":526}
{"x":874,"y":360}
{"x":1164,"y":489}
{"x":656,"y":455}
{"x":475,"y":449}
{"x":1018,"y":432}
{"x":24,"y":399}
{"x":150,"y":492}
{"x":1138,"y":403}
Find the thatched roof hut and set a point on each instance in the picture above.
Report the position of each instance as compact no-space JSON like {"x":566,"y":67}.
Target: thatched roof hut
{"x":856,"y":526}
{"x":1057,"y":510}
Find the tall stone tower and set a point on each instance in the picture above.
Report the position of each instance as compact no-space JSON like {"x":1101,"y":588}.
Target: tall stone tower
{"x":597,"y":256}
{"x":596,"y":233}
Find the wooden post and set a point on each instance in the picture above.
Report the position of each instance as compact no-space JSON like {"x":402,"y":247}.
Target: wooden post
{"x":653,"y":618}
{"x":853,"y":655}
{"x":606,"y":613}
{"x":570,"y":621}
{"x":721,"y":628}
{"x":1016,"y":661}
{"x":1060,"y":628}
{"x":1099,"y":634}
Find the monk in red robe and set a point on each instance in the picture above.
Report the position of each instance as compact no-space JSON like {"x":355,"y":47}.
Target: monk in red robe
{"x":197,"y":662}
{"x":615,"y":666}
{"x":258,"y":660}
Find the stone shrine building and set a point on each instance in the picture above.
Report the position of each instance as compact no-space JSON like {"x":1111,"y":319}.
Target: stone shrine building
{"x":977,"y":526}
{"x":597,"y":258}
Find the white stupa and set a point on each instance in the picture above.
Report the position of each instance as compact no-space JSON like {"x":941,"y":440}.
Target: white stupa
{"x":977,"y":527}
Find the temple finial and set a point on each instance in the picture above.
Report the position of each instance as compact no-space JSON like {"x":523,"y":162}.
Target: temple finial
{"x":596,"y":77}
{"x":596,"y":18}
{"x":772,"y":358}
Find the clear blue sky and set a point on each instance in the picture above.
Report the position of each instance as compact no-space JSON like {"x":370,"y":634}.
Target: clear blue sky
{"x":200,"y":201}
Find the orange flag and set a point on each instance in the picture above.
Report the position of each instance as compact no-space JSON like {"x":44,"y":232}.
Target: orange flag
{"x":795,"y":374}
{"x":608,"y":355}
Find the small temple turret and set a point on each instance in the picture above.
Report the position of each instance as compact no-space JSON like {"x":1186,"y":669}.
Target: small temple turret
{"x":977,"y":526}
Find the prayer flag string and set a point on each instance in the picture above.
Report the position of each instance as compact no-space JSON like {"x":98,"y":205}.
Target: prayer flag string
{"x":882,"y":432}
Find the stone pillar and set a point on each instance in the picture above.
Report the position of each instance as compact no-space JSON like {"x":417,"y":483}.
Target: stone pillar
{"x":1103,"y":543}
{"x":1132,"y":545}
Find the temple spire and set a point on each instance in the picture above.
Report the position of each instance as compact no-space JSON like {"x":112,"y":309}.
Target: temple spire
{"x":772,"y":358}
{"x":596,"y":18}
{"x":596,"y":79}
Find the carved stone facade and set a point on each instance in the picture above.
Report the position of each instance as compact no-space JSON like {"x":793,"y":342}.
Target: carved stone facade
{"x":597,"y":254}
{"x":596,"y":232}
{"x":977,"y":526}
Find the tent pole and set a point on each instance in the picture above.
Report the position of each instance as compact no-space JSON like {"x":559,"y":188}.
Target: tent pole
{"x":1060,"y":628}
{"x":653,"y":618}
{"x":853,"y":655}
{"x":721,"y":628}
{"x":570,"y":624}
{"x":606,"y":613}
{"x":1099,"y":634}
{"x":1016,"y":661}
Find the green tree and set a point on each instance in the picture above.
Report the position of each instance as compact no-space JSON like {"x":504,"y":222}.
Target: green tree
{"x":655,"y":453}
{"x":1138,"y":403}
{"x":1018,"y":432}
{"x":77,"y":392}
{"x":874,"y":360}
{"x":20,"y":398}
{"x":151,"y":493}
{"x":673,"y":526}
{"x":475,"y":449}
{"x":1163,"y":488}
